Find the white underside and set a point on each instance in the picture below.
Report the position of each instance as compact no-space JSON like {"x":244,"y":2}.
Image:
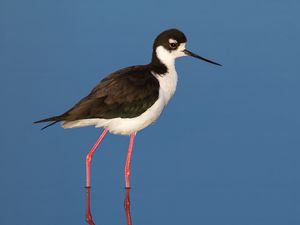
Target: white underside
{"x":123,"y":126}
{"x":127,"y":126}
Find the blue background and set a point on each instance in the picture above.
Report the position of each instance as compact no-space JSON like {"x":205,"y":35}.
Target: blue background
{"x":225,"y":150}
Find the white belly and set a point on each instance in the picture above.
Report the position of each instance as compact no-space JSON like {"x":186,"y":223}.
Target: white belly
{"x":127,"y":126}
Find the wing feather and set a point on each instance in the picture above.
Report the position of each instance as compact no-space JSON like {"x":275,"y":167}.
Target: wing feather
{"x":126,"y":93}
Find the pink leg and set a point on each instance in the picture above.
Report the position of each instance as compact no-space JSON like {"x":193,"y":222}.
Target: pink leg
{"x":127,"y":165}
{"x":89,"y":158}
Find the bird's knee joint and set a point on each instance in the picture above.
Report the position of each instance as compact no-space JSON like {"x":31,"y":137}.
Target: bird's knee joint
{"x":88,"y":158}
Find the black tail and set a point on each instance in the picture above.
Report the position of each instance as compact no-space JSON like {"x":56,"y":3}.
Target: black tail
{"x":54,"y":120}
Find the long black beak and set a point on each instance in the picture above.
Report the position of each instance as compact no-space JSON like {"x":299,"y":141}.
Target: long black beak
{"x":187,"y":52}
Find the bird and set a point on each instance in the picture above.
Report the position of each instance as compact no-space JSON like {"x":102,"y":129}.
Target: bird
{"x":130,"y":99}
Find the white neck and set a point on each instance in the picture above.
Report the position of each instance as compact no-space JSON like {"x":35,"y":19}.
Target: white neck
{"x":165,"y":57}
{"x":167,"y":81}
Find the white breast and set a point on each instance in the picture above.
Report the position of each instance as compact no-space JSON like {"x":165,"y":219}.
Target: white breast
{"x":126,"y":126}
{"x":167,"y":83}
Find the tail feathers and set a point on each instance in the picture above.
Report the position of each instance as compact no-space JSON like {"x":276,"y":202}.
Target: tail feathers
{"x":54,"y":120}
{"x":49,"y":125}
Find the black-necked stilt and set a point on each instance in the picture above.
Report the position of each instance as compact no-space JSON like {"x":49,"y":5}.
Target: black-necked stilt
{"x":132,"y":98}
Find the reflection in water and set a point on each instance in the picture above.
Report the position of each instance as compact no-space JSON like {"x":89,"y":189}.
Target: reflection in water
{"x":127,"y":206}
{"x":88,"y":215}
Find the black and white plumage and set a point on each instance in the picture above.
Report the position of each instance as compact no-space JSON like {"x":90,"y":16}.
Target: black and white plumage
{"x":132,"y":98}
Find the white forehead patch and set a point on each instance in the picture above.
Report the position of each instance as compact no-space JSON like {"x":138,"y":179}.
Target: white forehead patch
{"x":181,"y":47}
{"x":171,"y":40}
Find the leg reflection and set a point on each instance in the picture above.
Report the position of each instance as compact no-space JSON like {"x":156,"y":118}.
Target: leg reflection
{"x":88,"y":215}
{"x":127,"y":206}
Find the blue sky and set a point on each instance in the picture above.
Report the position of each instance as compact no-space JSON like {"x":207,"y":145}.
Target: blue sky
{"x":225,"y":150}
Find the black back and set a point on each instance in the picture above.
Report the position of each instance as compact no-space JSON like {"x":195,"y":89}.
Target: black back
{"x":126,"y":93}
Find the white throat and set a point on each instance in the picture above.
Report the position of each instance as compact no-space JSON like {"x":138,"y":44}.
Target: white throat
{"x":168,"y":81}
{"x":165,"y":57}
{"x":168,"y":57}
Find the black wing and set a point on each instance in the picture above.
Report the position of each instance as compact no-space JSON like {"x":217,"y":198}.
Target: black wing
{"x":126,"y":93}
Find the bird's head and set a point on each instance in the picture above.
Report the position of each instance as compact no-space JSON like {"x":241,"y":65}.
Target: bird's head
{"x":171,"y":44}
